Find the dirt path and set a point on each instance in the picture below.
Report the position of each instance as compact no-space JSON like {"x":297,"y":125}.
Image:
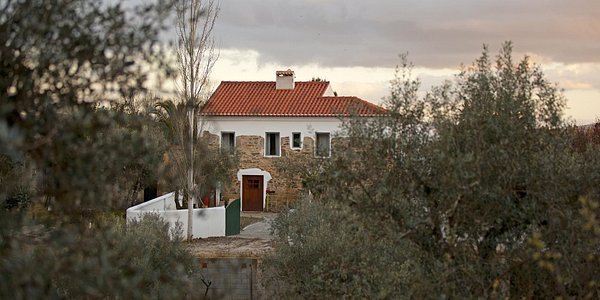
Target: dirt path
{"x":253,"y":242}
{"x":230,"y":247}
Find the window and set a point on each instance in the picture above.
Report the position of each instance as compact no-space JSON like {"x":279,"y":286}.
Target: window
{"x":272,"y":147}
{"x":296,"y":140}
{"x":228,"y":142}
{"x":323,"y":148}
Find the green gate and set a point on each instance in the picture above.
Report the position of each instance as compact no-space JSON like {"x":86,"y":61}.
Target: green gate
{"x":232,"y":218}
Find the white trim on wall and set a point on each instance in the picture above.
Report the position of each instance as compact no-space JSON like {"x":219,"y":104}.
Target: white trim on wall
{"x":277,"y":146}
{"x":221,"y":140}
{"x":256,"y":172}
{"x":292,"y":141}
{"x":257,"y":126}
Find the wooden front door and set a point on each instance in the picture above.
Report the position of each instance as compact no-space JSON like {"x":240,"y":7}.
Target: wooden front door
{"x":252,"y":193}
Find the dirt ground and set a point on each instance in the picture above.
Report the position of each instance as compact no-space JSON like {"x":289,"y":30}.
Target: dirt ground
{"x":235,"y":246}
{"x":245,"y":221}
{"x":217,"y":247}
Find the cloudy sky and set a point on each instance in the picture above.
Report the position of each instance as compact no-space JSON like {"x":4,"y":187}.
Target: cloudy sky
{"x":355,"y":44}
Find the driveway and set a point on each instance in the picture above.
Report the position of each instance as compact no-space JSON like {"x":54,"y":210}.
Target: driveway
{"x":260,"y":230}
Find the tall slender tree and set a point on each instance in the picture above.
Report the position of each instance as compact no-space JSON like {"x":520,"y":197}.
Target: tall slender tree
{"x":196,"y":57}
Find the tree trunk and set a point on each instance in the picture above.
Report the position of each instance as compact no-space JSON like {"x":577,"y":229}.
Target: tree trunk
{"x":191,"y":178}
{"x":177,"y":204}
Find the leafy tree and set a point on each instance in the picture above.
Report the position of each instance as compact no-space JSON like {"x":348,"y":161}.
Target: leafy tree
{"x":59,"y":60}
{"x":211,"y":167}
{"x":451,"y":195}
{"x":63,"y":64}
{"x":138,"y":174}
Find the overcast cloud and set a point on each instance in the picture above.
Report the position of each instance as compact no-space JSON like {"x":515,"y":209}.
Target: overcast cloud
{"x":355,"y":44}
{"x":435,"y":33}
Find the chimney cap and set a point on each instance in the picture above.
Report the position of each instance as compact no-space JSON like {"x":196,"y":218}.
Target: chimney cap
{"x":288,"y":72}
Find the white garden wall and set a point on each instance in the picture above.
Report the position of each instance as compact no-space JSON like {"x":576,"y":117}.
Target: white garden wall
{"x":207,"y":222}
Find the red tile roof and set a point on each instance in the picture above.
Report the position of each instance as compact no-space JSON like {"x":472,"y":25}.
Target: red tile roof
{"x":305,"y":100}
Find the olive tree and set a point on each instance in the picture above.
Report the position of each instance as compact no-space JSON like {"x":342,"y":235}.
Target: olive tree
{"x":61,"y":60}
{"x":63,"y":63}
{"x":469,"y":191}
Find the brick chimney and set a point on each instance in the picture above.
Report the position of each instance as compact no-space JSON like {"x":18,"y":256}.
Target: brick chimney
{"x":284,"y":80}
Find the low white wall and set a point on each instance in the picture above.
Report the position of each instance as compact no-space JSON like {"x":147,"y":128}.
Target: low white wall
{"x":207,"y":222}
{"x":164,"y":202}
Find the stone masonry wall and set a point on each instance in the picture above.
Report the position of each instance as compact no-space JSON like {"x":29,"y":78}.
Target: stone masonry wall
{"x":250,"y":154}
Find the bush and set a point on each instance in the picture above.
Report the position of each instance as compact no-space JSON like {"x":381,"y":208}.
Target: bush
{"x":324,"y":250}
{"x":15,"y":193}
{"x":109,"y":260}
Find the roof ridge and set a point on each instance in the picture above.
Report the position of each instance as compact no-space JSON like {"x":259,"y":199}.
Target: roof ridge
{"x":264,"y":81}
{"x":369,"y":103}
{"x":357,"y":98}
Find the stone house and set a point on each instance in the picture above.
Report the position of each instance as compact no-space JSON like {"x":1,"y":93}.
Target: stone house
{"x":263,"y":122}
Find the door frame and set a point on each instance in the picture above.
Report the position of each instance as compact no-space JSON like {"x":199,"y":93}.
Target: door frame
{"x":254,"y":172}
{"x":253,"y":185}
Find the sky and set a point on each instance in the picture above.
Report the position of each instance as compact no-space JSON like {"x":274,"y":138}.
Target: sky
{"x":355,"y":44}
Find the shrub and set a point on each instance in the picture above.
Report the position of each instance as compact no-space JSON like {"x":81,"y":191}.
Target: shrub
{"x":109,"y":260}
{"x":324,"y":250}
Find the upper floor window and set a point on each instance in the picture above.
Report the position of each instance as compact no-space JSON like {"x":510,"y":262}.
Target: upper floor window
{"x":296,"y":140}
{"x":272,"y":146}
{"x":228,"y":142}
{"x":323,"y":144}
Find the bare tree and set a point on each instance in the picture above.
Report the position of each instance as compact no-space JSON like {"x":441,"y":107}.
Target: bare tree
{"x":196,"y":56}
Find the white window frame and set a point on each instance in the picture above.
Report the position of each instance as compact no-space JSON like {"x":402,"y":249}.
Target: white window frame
{"x":278,"y":146}
{"x":234,"y":145}
{"x":317,"y":144}
{"x":292,"y":141}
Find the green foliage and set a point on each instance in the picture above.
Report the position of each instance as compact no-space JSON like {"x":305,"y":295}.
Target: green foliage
{"x":97,"y":158}
{"x":64,"y":142}
{"x":325,"y":250}
{"x":458,"y":181}
{"x":60,"y":61}
{"x":108,"y":260}
{"x":211,"y":167}
{"x":14,"y":192}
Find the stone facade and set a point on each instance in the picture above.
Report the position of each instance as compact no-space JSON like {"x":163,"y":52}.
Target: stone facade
{"x":250,"y":154}
{"x":250,"y":151}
